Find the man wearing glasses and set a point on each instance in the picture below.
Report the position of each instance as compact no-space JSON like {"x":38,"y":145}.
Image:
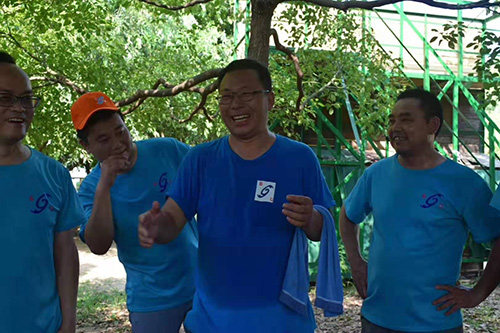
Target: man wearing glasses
{"x":39,"y":209}
{"x":250,"y":191}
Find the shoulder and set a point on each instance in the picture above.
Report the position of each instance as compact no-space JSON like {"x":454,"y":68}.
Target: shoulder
{"x":90,"y":182}
{"x":461,"y":171}
{"x":47,"y":164}
{"x":290,"y":147}
{"x":382,"y":165}
{"x":210,"y":147}
{"x":162,"y":143}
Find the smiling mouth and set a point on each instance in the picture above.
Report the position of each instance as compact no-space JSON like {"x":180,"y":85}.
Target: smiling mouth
{"x":397,"y":138}
{"x":240,"y":118}
{"x":16,"y":120}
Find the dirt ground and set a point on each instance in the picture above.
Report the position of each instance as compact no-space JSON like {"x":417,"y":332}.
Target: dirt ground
{"x":107,"y":272}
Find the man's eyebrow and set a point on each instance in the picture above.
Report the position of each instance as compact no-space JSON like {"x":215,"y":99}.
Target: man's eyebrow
{"x":6,"y":91}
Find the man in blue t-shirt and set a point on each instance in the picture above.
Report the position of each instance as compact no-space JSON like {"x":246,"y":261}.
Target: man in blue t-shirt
{"x":39,"y":210}
{"x":250,"y":191}
{"x":128,"y":177}
{"x":423,"y":206}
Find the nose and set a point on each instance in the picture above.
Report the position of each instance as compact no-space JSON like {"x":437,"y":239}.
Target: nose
{"x":236,"y":101}
{"x":116,"y":144}
{"x":18,"y":107}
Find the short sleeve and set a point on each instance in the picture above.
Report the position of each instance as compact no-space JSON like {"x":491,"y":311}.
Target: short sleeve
{"x":495,"y":201}
{"x":482,"y":219}
{"x":86,"y":194}
{"x":186,"y":188}
{"x":315,"y":183}
{"x":71,"y":213}
{"x":358,"y":204}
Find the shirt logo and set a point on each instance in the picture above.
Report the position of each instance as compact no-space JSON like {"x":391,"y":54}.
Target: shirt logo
{"x":41,"y":203}
{"x":163,"y":182}
{"x":432,"y":200}
{"x":264,"y":192}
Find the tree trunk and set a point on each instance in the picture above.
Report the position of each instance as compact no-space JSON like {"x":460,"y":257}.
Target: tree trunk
{"x":262,"y":13}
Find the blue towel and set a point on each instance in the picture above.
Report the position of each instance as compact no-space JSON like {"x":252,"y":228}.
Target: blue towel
{"x":329,"y":290}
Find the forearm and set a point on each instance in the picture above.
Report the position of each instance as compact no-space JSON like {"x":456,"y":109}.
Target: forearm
{"x":491,"y":275}
{"x":315,"y":226}
{"x":350,"y":237}
{"x":100,"y":231}
{"x":171,"y":222}
{"x":67,"y":271}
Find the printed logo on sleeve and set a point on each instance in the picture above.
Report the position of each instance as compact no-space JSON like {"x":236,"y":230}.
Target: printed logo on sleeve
{"x":264,"y":192}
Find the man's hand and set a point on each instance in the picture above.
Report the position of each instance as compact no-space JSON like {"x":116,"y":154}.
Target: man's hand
{"x":299,"y":210}
{"x":113,"y":166}
{"x":457,"y":298}
{"x":359,"y":273}
{"x":148,"y":226}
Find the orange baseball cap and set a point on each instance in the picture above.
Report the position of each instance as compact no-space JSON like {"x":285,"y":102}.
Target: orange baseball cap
{"x":87,"y":105}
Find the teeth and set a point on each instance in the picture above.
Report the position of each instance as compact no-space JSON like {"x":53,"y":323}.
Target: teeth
{"x":241,"y":117}
{"x":16,"y":120}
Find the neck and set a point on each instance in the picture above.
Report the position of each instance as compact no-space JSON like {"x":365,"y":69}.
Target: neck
{"x":11,"y":154}
{"x":250,"y":149}
{"x":423,"y":160}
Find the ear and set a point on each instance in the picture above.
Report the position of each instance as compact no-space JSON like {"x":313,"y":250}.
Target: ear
{"x":433,"y":123}
{"x":85,"y":146}
{"x":270,"y":100}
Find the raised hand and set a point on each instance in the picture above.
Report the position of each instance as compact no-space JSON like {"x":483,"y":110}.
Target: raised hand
{"x":148,"y":225}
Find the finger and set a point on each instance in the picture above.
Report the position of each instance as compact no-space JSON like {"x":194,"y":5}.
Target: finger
{"x":297,"y":207}
{"x":299,"y":199}
{"x":454,"y":309}
{"x":443,"y":299}
{"x":294,"y":215}
{"x":446,"y":305}
{"x":296,"y":223}
{"x":445,"y":287}
{"x":145,"y":218}
{"x":156,"y":207}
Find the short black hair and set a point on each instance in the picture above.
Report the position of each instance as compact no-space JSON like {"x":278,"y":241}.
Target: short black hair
{"x":428,"y":103}
{"x":7,"y":58}
{"x":95,"y":118}
{"x":242,"y":64}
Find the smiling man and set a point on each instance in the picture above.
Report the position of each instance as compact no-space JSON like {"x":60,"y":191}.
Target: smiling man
{"x":127,"y":178}
{"x":250,"y":191}
{"x":424,"y":206}
{"x":39,"y":209}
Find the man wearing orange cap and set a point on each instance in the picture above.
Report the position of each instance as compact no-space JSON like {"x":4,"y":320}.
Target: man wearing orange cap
{"x":39,"y":209}
{"x":128,"y":177}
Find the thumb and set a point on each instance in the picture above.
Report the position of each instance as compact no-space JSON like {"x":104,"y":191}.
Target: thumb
{"x":156,"y":207}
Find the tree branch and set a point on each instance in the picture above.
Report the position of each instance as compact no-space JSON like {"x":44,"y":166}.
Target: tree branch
{"x":172,"y":91}
{"x":201,"y":106}
{"x":298,"y":70}
{"x":58,"y":78}
{"x":345,"y":5}
{"x":189,"y":4}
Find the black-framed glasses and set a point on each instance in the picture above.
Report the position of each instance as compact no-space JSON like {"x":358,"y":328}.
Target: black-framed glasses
{"x":28,"y":101}
{"x":244,"y":96}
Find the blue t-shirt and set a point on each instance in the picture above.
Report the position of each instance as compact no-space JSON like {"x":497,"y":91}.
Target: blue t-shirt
{"x":421,"y":222}
{"x":245,"y":239}
{"x":38,"y":201}
{"x":495,"y":201}
{"x":161,"y":277}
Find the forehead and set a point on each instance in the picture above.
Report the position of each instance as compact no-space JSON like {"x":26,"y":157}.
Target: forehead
{"x":408,"y":107}
{"x":241,"y":79}
{"x":106,"y":126}
{"x":13,"y":79}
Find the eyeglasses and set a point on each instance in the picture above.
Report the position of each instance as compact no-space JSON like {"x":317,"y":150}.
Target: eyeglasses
{"x":28,"y":101}
{"x":244,"y":96}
